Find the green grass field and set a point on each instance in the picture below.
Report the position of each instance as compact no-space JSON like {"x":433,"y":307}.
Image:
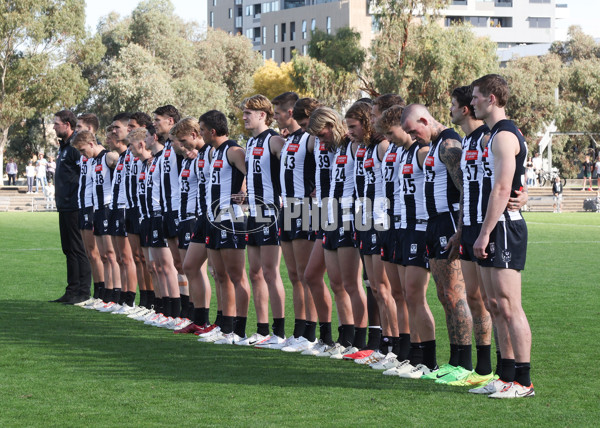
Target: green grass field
{"x":65,"y":366}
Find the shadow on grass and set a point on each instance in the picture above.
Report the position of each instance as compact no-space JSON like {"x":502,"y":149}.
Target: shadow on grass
{"x":88,"y":342}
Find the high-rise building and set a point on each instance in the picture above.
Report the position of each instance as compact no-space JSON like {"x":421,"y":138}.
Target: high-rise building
{"x":278,"y":27}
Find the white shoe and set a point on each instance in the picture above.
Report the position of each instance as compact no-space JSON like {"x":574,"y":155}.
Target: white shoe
{"x":99,"y":304}
{"x":370,"y":359}
{"x":514,"y":390}
{"x":162,"y":321}
{"x":348,"y":350}
{"x":301,"y":344}
{"x":210,"y":333}
{"x":146,"y":317}
{"x":288,"y":342}
{"x":228,"y":339}
{"x":87,"y":302}
{"x":125,"y":310}
{"x":92,"y":304}
{"x":151,"y":319}
{"x":400,"y":368}
{"x":109,"y":307}
{"x":388,"y":362}
{"x":212,"y":336}
{"x":252,"y":340}
{"x":416,"y":372}
{"x":273,"y":342}
{"x":137,"y":311}
{"x":317,"y":348}
{"x":491,"y":388}
{"x":183,"y":324}
{"x":336,"y":348}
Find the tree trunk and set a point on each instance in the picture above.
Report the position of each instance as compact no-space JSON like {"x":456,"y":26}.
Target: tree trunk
{"x":3,"y":141}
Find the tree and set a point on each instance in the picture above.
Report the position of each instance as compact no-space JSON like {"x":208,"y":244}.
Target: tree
{"x":316,"y":79}
{"x":272,"y":79}
{"x":341,"y":52}
{"x":577,"y":46}
{"x":41,"y":59}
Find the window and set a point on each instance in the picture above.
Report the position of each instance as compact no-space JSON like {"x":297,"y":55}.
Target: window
{"x":501,"y":22}
{"x":212,"y":19}
{"x":264,"y":55}
{"x":459,"y":2}
{"x":264,"y":36}
{"x":275,"y":6}
{"x":276,"y":33}
{"x":454,"y":20}
{"x":238,"y":22}
{"x":214,"y":2}
{"x":539,"y":22}
{"x":313,"y":24}
{"x":304,"y":29}
{"x":504,"y":3}
{"x":273,"y":54}
{"x":266,"y":7}
{"x":292,"y":31}
{"x":477,"y":21}
{"x":256,"y":11}
{"x":328,"y":26}
{"x":230,"y":13}
{"x":304,"y":49}
{"x":282,"y":54}
{"x":256,"y":34}
{"x":239,"y":11}
{"x":539,"y":1}
{"x":249,"y":33}
{"x":283,"y":31}
{"x":248,"y":10}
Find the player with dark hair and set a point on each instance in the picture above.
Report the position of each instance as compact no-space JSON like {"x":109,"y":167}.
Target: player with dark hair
{"x":503,"y":239}
{"x":225,"y":239}
{"x":297,"y":174}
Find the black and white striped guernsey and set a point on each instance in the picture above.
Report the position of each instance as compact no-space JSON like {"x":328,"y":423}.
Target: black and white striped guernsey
{"x":170,"y":163}
{"x":86,"y":183}
{"x":225,"y":181}
{"x":341,"y":191}
{"x":323,"y":160}
{"x":144,"y":191}
{"x":390,"y":173}
{"x":102,"y":177}
{"x":412,"y":177}
{"x":188,"y":186}
{"x":203,"y":166}
{"x":119,"y":199}
{"x":154,"y":184}
{"x":374,"y":187}
{"x":262,"y":166}
{"x":133,"y":166}
{"x":297,"y":174}
{"x":441,"y":195}
{"x":518,"y":178}
{"x":471,"y":165}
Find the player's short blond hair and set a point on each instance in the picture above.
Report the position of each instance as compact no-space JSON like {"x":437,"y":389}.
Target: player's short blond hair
{"x":259,"y":103}
{"x":185,"y":126}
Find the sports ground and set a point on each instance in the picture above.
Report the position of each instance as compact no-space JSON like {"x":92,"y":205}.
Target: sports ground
{"x":66,"y":366}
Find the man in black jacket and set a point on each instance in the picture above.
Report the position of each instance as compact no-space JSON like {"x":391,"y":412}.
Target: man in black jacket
{"x":68,"y":164}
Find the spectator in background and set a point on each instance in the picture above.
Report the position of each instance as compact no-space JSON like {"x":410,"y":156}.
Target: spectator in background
{"x":11,"y":171}
{"x":41,"y":169}
{"x":30,"y":174}
{"x":557,"y":191}
{"x":588,"y":167}
{"x":597,"y":169}
{"x":50,"y":170}
{"x":537,"y":168}
{"x":530,"y":173}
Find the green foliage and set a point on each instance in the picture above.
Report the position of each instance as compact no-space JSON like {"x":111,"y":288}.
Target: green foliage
{"x":341,"y":52}
{"x":318,"y":80}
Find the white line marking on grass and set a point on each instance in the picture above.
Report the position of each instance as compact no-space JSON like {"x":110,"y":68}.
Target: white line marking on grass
{"x":564,"y":224}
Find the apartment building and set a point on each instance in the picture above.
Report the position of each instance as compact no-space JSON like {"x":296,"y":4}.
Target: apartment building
{"x":278,"y":27}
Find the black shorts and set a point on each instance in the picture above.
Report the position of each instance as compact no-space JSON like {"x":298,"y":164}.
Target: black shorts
{"x":340,"y":237}
{"x":411,"y":249}
{"x":132,"y":221}
{"x":101,"y":219}
{"x":199,"y":232}
{"x":145,"y":232}
{"x":368,"y":242}
{"x":86,"y":218}
{"x":508,"y":243}
{"x":296,"y":227}
{"x":387,"y":241}
{"x":226,"y":235}
{"x":171,"y":224}
{"x":262,"y":231}
{"x":116,"y":226}
{"x":186,"y":228}
{"x":157,"y":238}
{"x":468,"y":237}
{"x":439,"y":230}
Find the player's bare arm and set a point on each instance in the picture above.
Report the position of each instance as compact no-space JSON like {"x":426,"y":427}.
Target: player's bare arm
{"x":276,"y":143}
{"x":111,"y":159}
{"x":450,"y":154}
{"x":506,"y":146}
